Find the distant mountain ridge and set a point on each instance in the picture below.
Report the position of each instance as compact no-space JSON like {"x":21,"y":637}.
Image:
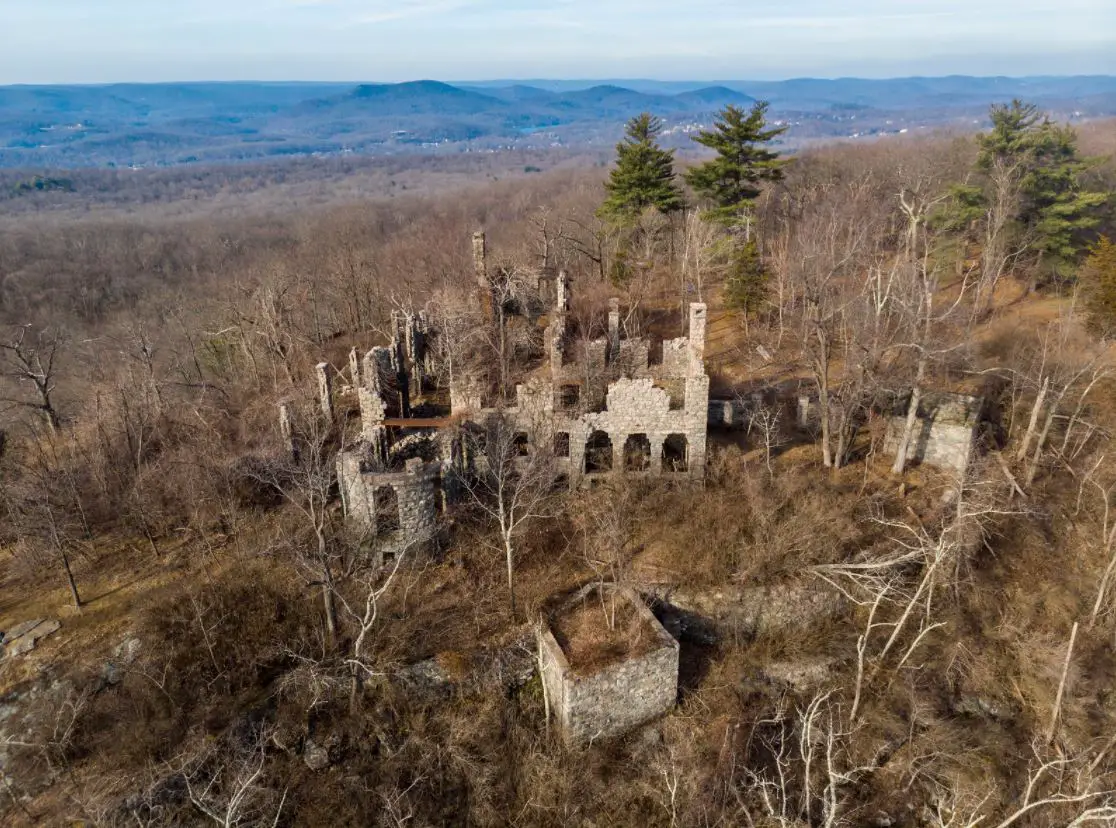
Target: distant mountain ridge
{"x":174,"y":123}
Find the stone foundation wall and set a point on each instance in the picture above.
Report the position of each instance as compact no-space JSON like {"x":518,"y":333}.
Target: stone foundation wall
{"x":788,"y":607}
{"x":945,"y":428}
{"x":945,"y":445}
{"x":616,"y":698}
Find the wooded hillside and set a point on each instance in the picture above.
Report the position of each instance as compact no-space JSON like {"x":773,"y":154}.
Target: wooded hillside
{"x":958,"y":672}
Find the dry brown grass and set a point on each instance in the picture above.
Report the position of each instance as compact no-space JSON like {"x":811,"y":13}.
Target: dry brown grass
{"x":602,"y":629}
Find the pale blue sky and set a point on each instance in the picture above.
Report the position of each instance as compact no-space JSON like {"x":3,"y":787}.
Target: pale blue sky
{"x":53,"y":41}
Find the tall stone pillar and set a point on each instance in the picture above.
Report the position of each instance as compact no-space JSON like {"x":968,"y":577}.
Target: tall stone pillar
{"x":562,"y":289}
{"x":613,"y":329}
{"x":578,"y":437}
{"x":803,"y":410}
{"x":286,"y":429}
{"x":401,"y":353}
{"x":325,"y":389}
{"x":618,"y":441}
{"x":354,"y":369}
{"x":696,"y":341}
{"x":480,"y":270}
{"x":656,"y":441}
{"x":372,"y":429}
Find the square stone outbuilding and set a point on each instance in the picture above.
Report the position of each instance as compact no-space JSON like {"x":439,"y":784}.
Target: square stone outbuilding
{"x":627,"y":677}
{"x":946,"y":429}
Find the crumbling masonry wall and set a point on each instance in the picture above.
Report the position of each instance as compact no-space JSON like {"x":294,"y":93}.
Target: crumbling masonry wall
{"x":945,"y":430}
{"x":645,"y":403}
{"x":415,"y":488}
{"x":617,"y":697}
{"x":660,"y":410}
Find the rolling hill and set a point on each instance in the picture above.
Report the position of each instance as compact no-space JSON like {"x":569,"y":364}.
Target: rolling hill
{"x":165,"y":124}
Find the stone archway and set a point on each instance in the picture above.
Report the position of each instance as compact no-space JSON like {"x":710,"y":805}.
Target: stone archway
{"x":598,"y":453}
{"x":676,"y":453}
{"x":637,"y":453}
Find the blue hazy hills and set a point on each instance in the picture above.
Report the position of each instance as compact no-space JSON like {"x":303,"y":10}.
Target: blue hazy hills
{"x":176,"y":123}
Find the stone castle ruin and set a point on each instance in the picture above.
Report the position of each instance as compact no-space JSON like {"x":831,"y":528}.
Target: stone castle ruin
{"x":601,"y":407}
{"x":598,"y":407}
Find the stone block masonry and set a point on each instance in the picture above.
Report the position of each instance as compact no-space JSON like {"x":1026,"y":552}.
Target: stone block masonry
{"x":665,"y":408}
{"x":411,"y":494}
{"x":945,"y":430}
{"x":324,"y":373}
{"x":616,"y":697}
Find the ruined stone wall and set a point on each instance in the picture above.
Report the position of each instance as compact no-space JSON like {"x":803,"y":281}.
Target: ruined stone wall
{"x":676,"y":359}
{"x":355,"y":496}
{"x":632,"y":406}
{"x":617,"y":697}
{"x":633,"y":358}
{"x":787,"y":607}
{"x":415,"y":489}
{"x":945,"y":429}
{"x":945,"y":445}
{"x":628,"y":405}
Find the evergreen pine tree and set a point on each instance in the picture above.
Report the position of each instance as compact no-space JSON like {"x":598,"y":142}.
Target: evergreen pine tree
{"x":731,"y":181}
{"x":1054,"y":210}
{"x":1011,"y":138}
{"x":746,"y":284}
{"x":1057,"y":208}
{"x":1098,"y":282}
{"x":643,"y":176}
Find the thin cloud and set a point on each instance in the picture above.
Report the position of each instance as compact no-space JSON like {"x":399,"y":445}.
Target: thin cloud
{"x":405,"y":10}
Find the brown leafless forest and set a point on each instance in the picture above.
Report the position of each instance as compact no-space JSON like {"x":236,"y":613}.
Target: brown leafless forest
{"x":968,"y":678}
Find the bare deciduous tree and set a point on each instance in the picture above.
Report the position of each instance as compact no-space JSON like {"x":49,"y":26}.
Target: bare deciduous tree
{"x":34,"y":365}
{"x":229,"y":789}
{"x":511,"y":488}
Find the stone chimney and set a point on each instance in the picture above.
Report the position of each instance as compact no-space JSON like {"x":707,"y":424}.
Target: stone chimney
{"x":286,"y":428}
{"x":354,"y":369}
{"x":562,"y":290}
{"x":325,"y":389}
{"x":697,"y":339}
{"x":613,"y":329}
{"x":480,"y":270}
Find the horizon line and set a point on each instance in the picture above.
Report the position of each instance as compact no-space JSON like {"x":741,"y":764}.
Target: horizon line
{"x":543,"y":79}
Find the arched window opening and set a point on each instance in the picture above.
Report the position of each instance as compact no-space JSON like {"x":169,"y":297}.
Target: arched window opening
{"x":598,"y":453}
{"x":637,"y":453}
{"x":675,"y":454}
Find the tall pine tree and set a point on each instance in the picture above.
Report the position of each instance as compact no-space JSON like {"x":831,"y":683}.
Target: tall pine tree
{"x":643,"y":176}
{"x":1030,"y":189}
{"x":731,"y":181}
{"x":746,"y":283}
{"x":1057,"y":208}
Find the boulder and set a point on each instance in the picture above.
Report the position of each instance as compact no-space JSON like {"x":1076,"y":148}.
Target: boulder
{"x":24,"y":637}
{"x":319,"y":754}
{"x":316,"y":756}
{"x":124,"y":656}
{"x":802,"y":674}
